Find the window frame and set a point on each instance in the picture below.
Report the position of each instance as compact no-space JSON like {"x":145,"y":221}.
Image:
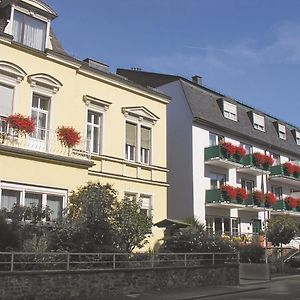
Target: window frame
{"x":230,"y":111}
{"x":282,"y":131}
{"x":257,"y":121}
{"x":138,"y":196}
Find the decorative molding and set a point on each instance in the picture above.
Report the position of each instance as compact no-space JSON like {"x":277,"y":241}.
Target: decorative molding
{"x":12,"y":70}
{"x":46,"y":81}
{"x":141,"y":113}
{"x":89,"y":100}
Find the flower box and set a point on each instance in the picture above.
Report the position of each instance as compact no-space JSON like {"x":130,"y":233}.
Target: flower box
{"x":20,"y":124}
{"x":68,"y":136}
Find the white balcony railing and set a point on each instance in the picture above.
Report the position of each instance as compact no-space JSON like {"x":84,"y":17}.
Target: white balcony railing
{"x":46,"y":141}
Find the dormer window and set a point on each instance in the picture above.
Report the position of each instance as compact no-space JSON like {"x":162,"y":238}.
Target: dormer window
{"x":230,"y":111}
{"x":29,"y":31}
{"x":298,"y":138}
{"x":258,"y":122}
{"x":282,"y":131}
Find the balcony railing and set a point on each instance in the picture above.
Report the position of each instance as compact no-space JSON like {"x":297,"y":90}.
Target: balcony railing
{"x":215,"y":156}
{"x":280,"y":205}
{"x":217,"y":196}
{"x":251,"y":168}
{"x":279,"y":174}
{"x":45,"y":141}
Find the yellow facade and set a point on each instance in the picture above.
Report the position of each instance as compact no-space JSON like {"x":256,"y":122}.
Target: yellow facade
{"x":72,"y":88}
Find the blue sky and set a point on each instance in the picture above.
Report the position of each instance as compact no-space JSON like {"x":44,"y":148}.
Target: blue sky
{"x":247,"y":49}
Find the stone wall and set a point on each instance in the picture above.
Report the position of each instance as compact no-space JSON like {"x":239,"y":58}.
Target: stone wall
{"x":77,"y":285}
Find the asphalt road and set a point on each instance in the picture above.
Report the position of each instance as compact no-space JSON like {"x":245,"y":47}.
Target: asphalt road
{"x":287,"y":289}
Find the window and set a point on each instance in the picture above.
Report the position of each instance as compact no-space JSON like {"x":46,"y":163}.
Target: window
{"x":258,"y":122}
{"x":145,"y":145}
{"x":276,"y":158}
{"x":248,"y":148}
{"x":6,"y":105}
{"x":40,"y":114}
{"x":230,"y":111}
{"x":32,"y":199}
{"x":131,"y":141}
{"x":145,"y":202}
{"x":93,"y":131}
{"x":9,"y":199}
{"x":282,"y":131}
{"x":223,"y":225}
{"x":277,"y":191}
{"x":248,"y":185}
{"x":217,"y":180}
{"x":215,"y":139}
{"x":55,"y":205}
{"x":29,"y":31}
{"x":298,"y":138}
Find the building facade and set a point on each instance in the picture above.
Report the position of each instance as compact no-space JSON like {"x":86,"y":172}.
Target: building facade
{"x":225,"y":158}
{"x":122,"y":124}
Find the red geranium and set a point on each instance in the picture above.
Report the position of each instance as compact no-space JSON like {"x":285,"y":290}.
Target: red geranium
{"x":291,"y":202}
{"x":289,"y":168}
{"x":268,"y":160}
{"x":68,"y":136}
{"x":269,"y":198}
{"x":297,"y":170}
{"x":241,"y":193}
{"x":229,"y":192}
{"x":240,"y":152}
{"x":257,"y":196}
{"x":259,"y":158}
{"x":228,"y":148}
{"x":21,"y":124}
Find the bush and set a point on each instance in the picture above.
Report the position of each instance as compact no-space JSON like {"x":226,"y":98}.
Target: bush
{"x":251,"y":253}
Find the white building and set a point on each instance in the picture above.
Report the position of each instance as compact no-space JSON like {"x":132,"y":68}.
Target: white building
{"x":199,"y":121}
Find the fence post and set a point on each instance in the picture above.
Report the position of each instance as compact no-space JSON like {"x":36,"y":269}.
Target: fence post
{"x":114,"y":261}
{"x":152,"y":261}
{"x":12,"y":262}
{"x":185,"y":258}
{"x":68,"y":261}
{"x":238,"y":257}
{"x":213,"y":258}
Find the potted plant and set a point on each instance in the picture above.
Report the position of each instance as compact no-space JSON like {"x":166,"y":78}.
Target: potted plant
{"x":241,"y":195}
{"x":68,"y":136}
{"x":263,"y":161}
{"x":268,"y":162}
{"x":239,"y":153}
{"x":297,"y":172}
{"x":228,"y":192}
{"x":20,"y":124}
{"x":269,"y":199}
{"x":288,"y":168}
{"x":257,"y":197}
{"x":227,"y":149}
{"x":290,"y":202}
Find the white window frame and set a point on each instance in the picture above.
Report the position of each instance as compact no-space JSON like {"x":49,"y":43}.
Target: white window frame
{"x":233,"y":232}
{"x":282,"y":131}
{"x":230,"y":111}
{"x":259,"y":122}
{"x":44,"y":191}
{"x":297,"y":138}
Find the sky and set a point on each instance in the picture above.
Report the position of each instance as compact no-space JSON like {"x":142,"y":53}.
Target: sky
{"x":247,"y":49}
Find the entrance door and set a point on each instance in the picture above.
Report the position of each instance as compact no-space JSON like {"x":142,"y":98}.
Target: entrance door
{"x":256,"y":226}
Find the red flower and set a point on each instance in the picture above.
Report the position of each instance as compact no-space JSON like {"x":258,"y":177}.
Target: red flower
{"x":21,"y":124}
{"x":259,"y":158}
{"x":240,"y":151}
{"x":291,"y":202}
{"x":268,"y":160}
{"x":68,"y":136}
{"x":297,"y":170}
{"x":269,"y":199}
{"x":228,"y":148}
{"x":289,"y":168}
{"x":257,"y":196}
{"x":229,"y":192}
{"x":241,"y":193}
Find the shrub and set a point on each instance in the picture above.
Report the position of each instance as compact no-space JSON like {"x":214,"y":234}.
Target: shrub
{"x":251,"y":253}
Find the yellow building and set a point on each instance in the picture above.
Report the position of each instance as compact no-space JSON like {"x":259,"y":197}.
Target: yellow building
{"x":122,"y":124}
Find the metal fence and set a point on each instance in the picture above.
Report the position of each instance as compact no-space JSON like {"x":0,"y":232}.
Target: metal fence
{"x":59,"y":261}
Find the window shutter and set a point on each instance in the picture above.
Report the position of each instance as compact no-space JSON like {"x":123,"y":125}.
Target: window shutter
{"x":130,"y":134}
{"x":6,"y":100}
{"x":259,"y":120}
{"x":145,"y":138}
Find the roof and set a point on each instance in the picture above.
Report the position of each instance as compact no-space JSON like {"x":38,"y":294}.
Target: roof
{"x":171,"y":223}
{"x":206,"y":108}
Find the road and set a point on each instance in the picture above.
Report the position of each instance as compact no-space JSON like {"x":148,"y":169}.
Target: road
{"x":287,"y":289}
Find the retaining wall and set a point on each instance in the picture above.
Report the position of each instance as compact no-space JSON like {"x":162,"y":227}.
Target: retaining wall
{"x":84,"y":285}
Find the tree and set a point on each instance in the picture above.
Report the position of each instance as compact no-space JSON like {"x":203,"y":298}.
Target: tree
{"x":97,"y":221}
{"x":281,"y":230}
{"x":130,"y":225}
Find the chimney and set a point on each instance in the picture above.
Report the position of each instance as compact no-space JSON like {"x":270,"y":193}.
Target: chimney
{"x":197,"y":79}
{"x":97,"y":65}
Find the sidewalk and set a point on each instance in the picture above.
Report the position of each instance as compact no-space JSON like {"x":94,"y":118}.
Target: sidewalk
{"x":200,"y":292}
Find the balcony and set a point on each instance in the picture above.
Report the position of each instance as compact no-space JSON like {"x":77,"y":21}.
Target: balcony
{"x":280,"y":176}
{"x":251,"y":168}
{"x":41,"y":143}
{"x":280,"y":207}
{"x":215,"y":156}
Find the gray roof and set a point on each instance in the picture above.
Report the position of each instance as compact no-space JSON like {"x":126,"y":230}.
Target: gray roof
{"x":205,"y":107}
